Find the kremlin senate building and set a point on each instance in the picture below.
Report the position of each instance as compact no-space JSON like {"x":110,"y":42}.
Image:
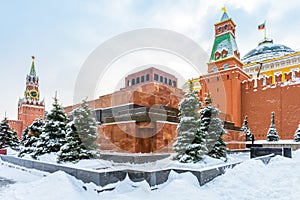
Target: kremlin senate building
{"x":143,"y":116}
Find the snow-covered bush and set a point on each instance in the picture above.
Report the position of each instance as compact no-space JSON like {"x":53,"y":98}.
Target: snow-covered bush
{"x":53,"y":135}
{"x":297,"y":134}
{"x":213,"y":129}
{"x":73,"y":150}
{"x":86,"y":126}
{"x":8,"y":137}
{"x":30,"y":137}
{"x":190,"y":143}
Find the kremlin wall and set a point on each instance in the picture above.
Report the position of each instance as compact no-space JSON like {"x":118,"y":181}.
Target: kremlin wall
{"x":260,"y":98}
{"x":143,"y":116}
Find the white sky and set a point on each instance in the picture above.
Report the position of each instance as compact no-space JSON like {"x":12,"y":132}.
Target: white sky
{"x":62,"y":34}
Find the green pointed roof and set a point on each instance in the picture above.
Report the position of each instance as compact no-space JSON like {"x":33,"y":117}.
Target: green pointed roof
{"x":225,"y":41}
{"x":32,"y":69}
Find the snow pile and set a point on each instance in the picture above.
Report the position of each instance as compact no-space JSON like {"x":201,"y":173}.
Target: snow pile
{"x":19,"y":174}
{"x":58,"y":185}
{"x":11,"y":152}
{"x":249,"y":180}
{"x":280,"y":179}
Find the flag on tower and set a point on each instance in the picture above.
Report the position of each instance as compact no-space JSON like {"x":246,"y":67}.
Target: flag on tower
{"x":261,"y":26}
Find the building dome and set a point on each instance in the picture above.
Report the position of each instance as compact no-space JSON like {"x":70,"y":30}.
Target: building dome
{"x":266,"y":50}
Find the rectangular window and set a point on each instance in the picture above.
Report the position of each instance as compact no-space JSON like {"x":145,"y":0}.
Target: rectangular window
{"x":147,"y":77}
{"x":155,"y":77}
{"x":161,"y":79}
{"x":137,"y":80}
{"x":142,"y":79}
{"x":170,"y":82}
{"x":174,"y":84}
{"x":166,"y":81}
{"x":293,"y":71}
{"x":264,"y":79}
{"x":132,"y":81}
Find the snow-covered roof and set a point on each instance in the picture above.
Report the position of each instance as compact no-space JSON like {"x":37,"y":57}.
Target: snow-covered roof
{"x":266,"y":50}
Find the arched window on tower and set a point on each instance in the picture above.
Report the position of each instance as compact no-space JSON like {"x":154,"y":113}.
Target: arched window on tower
{"x":224,"y":53}
{"x":217,"y":55}
{"x":220,"y":29}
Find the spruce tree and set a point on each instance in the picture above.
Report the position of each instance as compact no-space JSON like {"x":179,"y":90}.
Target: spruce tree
{"x":272,"y":134}
{"x":73,"y":150}
{"x":8,"y":137}
{"x":30,"y":137}
{"x":53,"y":135}
{"x":297,"y":134}
{"x":24,"y":143}
{"x":190,"y":143}
{"x":213,"y":129}
{"x":86,"y":126}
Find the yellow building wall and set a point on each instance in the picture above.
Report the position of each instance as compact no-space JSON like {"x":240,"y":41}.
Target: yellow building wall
{"x":283,"y":70}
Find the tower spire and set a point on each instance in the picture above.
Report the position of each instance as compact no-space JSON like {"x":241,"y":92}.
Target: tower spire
{"x":32,"y":69}
{"x":225,"y":15}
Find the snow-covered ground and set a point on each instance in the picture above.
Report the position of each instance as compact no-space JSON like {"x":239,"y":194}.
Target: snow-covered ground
{"x":280,"y":179}
{"x":274,"y":142}
{"x":104,"y":165}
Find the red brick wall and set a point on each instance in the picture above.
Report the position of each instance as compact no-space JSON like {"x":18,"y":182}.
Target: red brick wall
{"x":16,"y":125}
{"x":235,"y":139}
{"x":28,"y":113}
{"x":225,"y":89}
{"x":258,"y":103}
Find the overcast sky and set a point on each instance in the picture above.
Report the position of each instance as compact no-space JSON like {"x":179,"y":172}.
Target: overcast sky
{"x":61,"y":34}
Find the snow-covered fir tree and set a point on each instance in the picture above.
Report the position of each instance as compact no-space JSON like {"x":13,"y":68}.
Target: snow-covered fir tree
{"x":272,"y":134}
{"x":245,"y":128}
{"x":8,"y":137}
{"x":30,"y":137}
{"x":86,"y":126}
{"x":190,"y":143}
{"x":53,"y":135}
{"x":297,"y":134}
{"x":74,"y":150}
{"x":213,"y":128}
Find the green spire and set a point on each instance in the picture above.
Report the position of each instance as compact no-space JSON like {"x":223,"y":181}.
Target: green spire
{"x":32,"y":69}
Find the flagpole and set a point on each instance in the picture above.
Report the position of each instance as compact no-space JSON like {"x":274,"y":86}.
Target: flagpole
{"x":265,"y":30}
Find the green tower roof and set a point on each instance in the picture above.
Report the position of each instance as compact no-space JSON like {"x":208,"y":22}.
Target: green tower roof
{"x":224,"y":42}
{"x":32,"y":69}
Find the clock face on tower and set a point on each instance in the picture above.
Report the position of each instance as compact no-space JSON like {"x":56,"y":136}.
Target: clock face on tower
{"x":33,"y":94}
